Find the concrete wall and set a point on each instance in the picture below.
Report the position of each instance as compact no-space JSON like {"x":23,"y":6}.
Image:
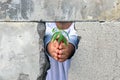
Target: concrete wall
{"x":51,"y":10}
{"x":21,"y":33}
{"x":19,"y":51}
{"x":98,"y":56}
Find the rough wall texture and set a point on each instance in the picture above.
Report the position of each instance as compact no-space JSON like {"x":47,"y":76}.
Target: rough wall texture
{"x":21,"y":38}
{"x":98,"y":56}
{"x":51,"y":10}
{"x":19,"y":51}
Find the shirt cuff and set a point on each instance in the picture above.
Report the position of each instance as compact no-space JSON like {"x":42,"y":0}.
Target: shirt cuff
{"x":47,"y":39}
{"x":74,"y":40}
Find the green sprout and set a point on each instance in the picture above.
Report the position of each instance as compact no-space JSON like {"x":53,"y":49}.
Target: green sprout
{"x":58,"y":35}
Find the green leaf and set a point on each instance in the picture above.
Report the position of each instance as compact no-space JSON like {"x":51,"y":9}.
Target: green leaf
{"x":53,"y":30}
{"x":65,"y":41}
{"x":60,"y":34}
{"x":54,"y":37}
{"x":60,"y":38}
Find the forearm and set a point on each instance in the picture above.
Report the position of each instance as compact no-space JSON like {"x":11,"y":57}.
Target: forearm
{"x":73,"y":42}
{"x":71,"y":50}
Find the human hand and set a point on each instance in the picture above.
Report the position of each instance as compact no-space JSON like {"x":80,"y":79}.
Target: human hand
{"x":53,"y":50}
{"x":65,"y":51}
{"x":60,"y":52}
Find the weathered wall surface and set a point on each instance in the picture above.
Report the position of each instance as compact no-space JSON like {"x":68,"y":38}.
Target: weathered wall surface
{"x":98,"y":56}
{"x":50,"y":10}
{"x":21,"y":53}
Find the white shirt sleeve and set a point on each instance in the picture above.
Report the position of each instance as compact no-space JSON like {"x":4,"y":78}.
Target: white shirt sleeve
{"x":73,"y":37}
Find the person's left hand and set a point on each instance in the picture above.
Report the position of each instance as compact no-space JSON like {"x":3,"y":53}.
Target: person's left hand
{"x":65,"y":51}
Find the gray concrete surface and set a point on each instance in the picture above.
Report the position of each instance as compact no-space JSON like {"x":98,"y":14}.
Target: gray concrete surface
{"x":19,"y":51}
{"x":98,"y":55}
{"x":51,"y":10}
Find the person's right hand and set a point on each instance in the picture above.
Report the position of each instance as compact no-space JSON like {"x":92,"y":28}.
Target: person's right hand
{"x":53,"y":50}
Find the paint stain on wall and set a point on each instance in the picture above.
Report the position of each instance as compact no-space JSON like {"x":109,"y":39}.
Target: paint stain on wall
{"x":112,"y":14}
{"x":23,"y":76}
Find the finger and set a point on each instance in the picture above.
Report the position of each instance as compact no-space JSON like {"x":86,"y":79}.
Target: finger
{"x":61,"y":52}
{"x":57,"y":51}
{"x":55,"y":56}
{"x":61,"y":56}
{"x":56,"y":44}
{"x":62,"y":45}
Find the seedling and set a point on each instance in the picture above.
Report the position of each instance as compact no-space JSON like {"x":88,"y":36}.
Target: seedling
{"x":59,"y":35}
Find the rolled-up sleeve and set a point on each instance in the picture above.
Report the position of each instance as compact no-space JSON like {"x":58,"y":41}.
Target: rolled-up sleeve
{"x":74,"y":40}
{"x":47,"y":37}
{"x":73,"y":37}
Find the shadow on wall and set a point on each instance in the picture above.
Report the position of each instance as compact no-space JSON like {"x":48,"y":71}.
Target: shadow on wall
{"x":43,"y":60}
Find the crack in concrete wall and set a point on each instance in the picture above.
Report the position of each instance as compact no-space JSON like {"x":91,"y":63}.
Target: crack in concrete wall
{"x":99,"y":49}
{"x":44,"y":62}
